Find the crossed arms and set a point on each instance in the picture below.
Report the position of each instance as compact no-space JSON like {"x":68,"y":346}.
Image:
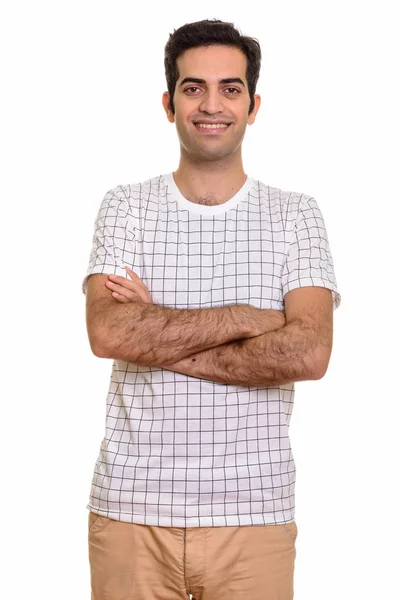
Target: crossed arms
{"x":237,"y":344}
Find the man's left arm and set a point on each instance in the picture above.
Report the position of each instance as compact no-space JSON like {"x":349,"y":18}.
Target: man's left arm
{"x":299,"y":351}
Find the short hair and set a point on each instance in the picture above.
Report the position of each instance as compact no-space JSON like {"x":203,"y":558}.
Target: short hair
{"x":210,"y":32}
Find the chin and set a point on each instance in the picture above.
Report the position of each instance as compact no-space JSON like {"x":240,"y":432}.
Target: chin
{"x":212,"y":154}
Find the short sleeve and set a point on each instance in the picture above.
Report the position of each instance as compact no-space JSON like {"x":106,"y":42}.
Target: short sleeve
{"x":113,"y":238}
{"x":309,"y":260}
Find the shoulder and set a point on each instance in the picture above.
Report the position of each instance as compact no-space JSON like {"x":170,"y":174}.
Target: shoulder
{"x":133,"y":195}
{"x":288,"y":203}
{"x":133,"y":190}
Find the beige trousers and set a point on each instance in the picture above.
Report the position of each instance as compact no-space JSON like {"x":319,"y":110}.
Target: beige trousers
{"x":142,"y":562}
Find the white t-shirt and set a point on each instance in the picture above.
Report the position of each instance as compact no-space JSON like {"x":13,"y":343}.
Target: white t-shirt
{"x":180,"y":451}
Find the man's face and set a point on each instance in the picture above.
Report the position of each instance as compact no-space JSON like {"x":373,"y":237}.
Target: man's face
{"x":211,"y":101}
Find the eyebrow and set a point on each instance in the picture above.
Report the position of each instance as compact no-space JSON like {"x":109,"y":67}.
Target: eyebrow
{"x":202,"y":81}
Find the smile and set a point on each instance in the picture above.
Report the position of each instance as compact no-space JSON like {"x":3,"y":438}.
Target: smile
{"x":214,"y":127}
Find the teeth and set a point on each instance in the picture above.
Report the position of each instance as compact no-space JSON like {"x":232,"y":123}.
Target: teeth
{"x":213,"y":126}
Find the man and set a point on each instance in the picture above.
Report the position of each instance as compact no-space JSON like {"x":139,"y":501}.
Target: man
{"x":213,"y":293}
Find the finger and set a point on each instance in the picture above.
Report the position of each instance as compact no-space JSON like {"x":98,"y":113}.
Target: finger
{"x":123,"y":282}
{"x":133,"y":275}
{"x":120,"y":298}
{"x":129,"y":294}
{"x":135,"y":278}
{"x":122,"y":291}
{"x":134,"y":285}
{"x":127,"y":285}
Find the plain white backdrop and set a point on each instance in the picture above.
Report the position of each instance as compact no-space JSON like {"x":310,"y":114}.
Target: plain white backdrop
{"x":81,"y":113}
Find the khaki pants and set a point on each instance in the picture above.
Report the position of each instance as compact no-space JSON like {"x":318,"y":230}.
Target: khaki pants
{"x":142,"y":562}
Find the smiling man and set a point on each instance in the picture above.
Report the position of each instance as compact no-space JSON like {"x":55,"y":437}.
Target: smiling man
{"x":211,"y":115}
{"x":213,"y":293}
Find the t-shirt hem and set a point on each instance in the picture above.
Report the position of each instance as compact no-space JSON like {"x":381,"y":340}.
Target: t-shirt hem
{"x":103,"y":270}
{"x":315,"y":282}
{"x":205,"y":521}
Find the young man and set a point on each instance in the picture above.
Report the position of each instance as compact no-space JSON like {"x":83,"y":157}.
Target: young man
{"x":213,"y":293}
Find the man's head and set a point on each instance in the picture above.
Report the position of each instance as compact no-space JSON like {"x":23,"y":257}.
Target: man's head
{"x":207,"y":33}
{"x":212,"y":72}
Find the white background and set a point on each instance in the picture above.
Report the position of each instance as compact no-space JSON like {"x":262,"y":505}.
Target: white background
{"x":81,"y":113}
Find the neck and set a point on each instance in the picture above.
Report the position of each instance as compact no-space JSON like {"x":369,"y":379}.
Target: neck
{"x":209,"y":182}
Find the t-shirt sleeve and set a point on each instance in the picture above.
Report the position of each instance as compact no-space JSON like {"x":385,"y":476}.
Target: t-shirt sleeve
{"x":309,"y":260}
{"x":113,"y":238}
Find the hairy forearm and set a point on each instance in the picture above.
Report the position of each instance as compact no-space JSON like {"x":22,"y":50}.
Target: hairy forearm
{"x":293,"y":353}
{"x":150,"y":335}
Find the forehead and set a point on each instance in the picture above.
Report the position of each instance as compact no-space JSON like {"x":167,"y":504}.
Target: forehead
{"x":212,"y":62}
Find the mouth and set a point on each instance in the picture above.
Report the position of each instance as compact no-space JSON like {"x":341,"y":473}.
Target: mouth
{"x":211,"y":127}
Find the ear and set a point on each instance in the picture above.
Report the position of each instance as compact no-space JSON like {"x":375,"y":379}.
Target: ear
{"x":168,"y":112}
{"x":252,"y":116}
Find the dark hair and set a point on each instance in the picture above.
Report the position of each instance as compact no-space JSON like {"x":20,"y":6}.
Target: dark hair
{"x":208,"y":33}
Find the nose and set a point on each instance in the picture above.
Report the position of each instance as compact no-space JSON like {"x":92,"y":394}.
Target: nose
{"x":211,"y":102}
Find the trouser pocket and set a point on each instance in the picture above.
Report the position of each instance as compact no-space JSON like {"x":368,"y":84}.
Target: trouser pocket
{"x":291,"y":531}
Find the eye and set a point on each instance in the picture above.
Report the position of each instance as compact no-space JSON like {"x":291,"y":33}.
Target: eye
{"x":232,"y":90}
{"x":193,"y":87}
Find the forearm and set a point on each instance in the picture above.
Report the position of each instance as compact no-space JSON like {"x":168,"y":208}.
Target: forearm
{"x":150,"y":335}
{"x":292,"y":353}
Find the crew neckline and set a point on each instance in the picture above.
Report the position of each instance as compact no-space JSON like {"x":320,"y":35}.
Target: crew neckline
{"x":201,"y":209}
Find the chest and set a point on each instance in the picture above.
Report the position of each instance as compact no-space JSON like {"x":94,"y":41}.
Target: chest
{"x":188,"y":261}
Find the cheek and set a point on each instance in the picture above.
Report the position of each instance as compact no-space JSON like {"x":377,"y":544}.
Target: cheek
{"x":241,"y":123}
{"x":181,"y":120}
{"x":180,"y":125}
{"x":182,"y":129}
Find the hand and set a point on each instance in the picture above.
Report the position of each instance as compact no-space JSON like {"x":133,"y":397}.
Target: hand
{"x":128,"y":290}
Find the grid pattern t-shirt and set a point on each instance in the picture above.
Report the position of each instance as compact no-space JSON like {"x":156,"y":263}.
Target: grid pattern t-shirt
{"x":180,"y":451}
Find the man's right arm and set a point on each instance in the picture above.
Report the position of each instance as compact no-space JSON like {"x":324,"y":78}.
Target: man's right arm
{"x":151,"y":335}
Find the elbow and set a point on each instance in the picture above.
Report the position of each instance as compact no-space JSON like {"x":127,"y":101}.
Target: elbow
{"x":103,"y":345}
{"x":99,"y":351}
{"x":98,"y":345}
{"x":318,"y":372}
{"x":319,"y":364}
